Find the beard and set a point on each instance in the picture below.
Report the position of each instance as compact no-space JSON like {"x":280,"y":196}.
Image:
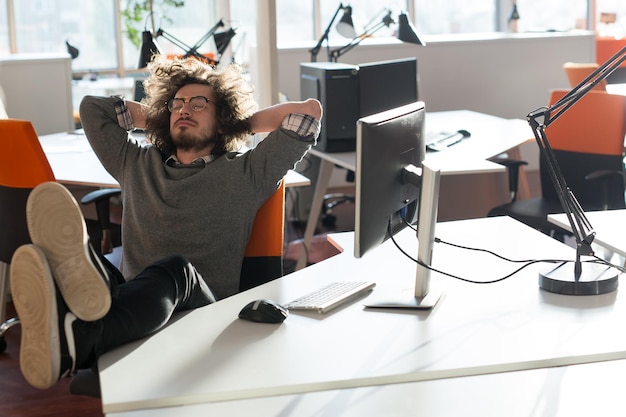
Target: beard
{"x":188,"y":141}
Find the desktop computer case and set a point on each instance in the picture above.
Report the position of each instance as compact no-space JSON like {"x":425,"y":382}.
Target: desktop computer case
{"x":336,"y":86}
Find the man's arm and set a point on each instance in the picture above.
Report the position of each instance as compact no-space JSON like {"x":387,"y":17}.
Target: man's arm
{"x":137,"y":113}
{"x":269,"y":119}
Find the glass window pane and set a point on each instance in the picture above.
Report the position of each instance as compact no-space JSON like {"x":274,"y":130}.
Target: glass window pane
{"x":5,"y":45}
{"x":294,"y":20}
{"x":557,"y":15}
{"x":184,"y":28}
{"x":455,"y":16}
{"x":45,"y":25}
{"x":604,"y":24}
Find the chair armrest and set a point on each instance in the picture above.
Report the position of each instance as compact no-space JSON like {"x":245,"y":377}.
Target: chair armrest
{"x":513,"y":167}
{"x":604,"y":176}
{"x":102,"y":198}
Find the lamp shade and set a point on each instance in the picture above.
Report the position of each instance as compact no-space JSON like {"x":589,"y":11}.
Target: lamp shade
{"x":222,"y":39}
{"x":406,"y":31}
{"x":148,"y":49}
{"x":345,"y":27}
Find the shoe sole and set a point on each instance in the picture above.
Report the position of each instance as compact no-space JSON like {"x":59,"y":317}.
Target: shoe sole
{"x":33,"y":292}
{"x":56,"y":225}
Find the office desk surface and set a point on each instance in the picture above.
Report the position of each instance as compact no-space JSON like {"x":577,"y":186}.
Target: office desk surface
{"x":610,"y":227}
{"x":73,"y":162}
{"x":490,"y":136}
{"x":577,"y":390}
{"x":210,"y":355}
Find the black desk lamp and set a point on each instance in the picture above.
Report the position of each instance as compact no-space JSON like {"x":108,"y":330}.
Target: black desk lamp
{"x":150,"y":48}
{"x":345,"y":27}
{"x":595,"y":278}
{"x":406,"y":33}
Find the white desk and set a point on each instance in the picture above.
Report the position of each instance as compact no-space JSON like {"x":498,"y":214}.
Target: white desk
{"x":73,"y":162}
{"x":209,"y":355}
{"x":490,"y":137}
{"x":610,"y":227}
{"x":577,"y":390}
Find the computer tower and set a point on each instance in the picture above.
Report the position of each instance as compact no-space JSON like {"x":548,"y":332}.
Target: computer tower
{"x":336,"y":86}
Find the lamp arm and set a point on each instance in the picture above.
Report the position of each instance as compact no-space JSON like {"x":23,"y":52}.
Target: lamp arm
{"x":172,"y":39}
{"x":539,"y":121}
{"x":336,"y":53}
{"x":324,"y":37}
{"x":206,"y":37}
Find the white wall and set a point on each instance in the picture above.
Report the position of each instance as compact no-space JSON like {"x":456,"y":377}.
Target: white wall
{"x":507,"y":75}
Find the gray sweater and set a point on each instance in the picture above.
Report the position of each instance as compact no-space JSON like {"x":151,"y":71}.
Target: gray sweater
{"x":202,"y":212}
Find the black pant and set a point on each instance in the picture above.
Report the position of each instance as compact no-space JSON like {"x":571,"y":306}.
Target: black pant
{"x":141,"y":306}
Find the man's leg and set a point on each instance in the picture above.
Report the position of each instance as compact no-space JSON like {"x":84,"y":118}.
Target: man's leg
{"x":52,"y":335}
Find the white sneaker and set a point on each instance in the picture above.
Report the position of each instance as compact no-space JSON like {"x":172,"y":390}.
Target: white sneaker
{"x":57,"y":227}
{"x":47,"y":349}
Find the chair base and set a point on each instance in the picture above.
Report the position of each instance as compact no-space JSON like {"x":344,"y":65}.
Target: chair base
{"x":595,"y":279}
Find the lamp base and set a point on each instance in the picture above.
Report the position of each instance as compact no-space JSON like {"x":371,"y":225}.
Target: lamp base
{"x":595,"y":279}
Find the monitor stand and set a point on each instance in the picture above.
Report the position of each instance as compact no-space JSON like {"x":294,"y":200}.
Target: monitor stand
{"x":423,"y":297}
{"x":408,"y":301}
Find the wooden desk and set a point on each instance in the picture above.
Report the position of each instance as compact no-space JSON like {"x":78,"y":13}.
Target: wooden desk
{"x":208,"y":355}
{"x":490,"y":137}
{"x":610,"y":227}
{"x":74,"y":162}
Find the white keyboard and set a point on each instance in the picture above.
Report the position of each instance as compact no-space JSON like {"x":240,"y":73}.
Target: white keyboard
{"x":331,"y":296}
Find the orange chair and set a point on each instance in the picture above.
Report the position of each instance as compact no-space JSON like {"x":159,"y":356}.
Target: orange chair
{"x":588,"y":143}
{"x":577,"y":72}
{"x":23,"y":165}
{"x":263,"y":259}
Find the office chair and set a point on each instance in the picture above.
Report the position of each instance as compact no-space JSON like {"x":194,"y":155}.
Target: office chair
{"x":263,"y":262}
{"x":588,"y":142}
{"x":577,"y":72}
{"x":23,"y":166}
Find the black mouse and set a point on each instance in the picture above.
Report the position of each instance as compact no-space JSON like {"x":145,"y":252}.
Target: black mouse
{"x":264,"y":311}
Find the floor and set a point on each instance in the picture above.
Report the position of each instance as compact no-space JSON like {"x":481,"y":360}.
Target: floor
{"x":19,"y":399}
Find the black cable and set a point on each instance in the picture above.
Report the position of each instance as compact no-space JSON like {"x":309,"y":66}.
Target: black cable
{"x":526,"y":263}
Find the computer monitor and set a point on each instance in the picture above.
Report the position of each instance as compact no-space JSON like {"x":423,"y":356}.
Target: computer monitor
{"x":386,"y":85}
{"x":395,"y":186}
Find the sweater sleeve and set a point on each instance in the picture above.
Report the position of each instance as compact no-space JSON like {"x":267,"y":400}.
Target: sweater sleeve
{"x":109,"y":140}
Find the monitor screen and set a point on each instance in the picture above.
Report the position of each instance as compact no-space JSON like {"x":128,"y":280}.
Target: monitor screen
{"x":385,"y":85}
{"x":395,"y":187}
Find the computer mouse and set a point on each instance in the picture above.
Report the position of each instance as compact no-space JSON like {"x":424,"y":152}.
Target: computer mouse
{"x":264,"y":311}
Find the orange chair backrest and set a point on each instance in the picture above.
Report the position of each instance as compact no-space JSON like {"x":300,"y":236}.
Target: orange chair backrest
{"x":268,"y":228}
{"x":23,"y":164}
{"x":577,"y":72}
{"x":596,"y":124}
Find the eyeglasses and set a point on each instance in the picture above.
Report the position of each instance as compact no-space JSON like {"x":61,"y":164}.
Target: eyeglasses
{"x":196,"y":103}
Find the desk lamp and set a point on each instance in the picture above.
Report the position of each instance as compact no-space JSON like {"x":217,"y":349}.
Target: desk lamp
{"x":150,"y":48}
{"x":406,"y":33}
{"x":345,"y":27}
{"x":595,"y":278}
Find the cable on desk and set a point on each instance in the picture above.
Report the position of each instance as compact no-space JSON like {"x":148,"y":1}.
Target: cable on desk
{"x":526,"y":262}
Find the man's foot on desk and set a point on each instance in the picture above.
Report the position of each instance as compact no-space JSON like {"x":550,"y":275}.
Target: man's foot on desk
{"x":56,"y":226}
{"x":45,"y":321}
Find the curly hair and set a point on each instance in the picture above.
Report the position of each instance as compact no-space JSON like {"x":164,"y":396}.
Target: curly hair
{"x":234,"y":100}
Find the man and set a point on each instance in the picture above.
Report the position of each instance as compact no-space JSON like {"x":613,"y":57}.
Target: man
{"x":189,"y":203}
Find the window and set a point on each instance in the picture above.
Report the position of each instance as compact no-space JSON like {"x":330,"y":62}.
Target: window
{"x":44,"y":26}
{"x":455,"y":16}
